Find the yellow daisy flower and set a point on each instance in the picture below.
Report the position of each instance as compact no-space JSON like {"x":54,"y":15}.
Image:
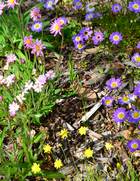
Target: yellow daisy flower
{"x":58,"y":163}
{"x":82,"y":130}
{"x":47,"y":148}
{"x":63,"y":133}
{"x":35,"y":168}
{"x":108,"y":146}
{"x":88,"y":153}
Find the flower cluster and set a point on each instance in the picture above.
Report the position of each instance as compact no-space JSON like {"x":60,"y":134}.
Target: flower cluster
{"x":36,"y":46}
{"x":82,"y":37}
{"x":130,"y":113}
{"x":8,"y":81}
{"x":90,"y":12}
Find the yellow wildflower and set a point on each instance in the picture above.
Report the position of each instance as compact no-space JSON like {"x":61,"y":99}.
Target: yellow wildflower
{"x":82,"y":130}
{"x":58,"y":163}
{"x":108,"y":146}
{"x":88,"y":153}
{"x":47,"y":148}
{"x":63,"y":133}
{"x":35,"y":168}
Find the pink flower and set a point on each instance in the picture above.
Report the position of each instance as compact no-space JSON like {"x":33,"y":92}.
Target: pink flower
{"x":35,"y":14}
{"x":11,"y":58}
{"x":55,"y":28}
{"x":2,"y":5}
{"x":37,"y":87}
{"x":41,"y":79}
{"x":9,"y":80}
{"x":11,"y":3}
{"x":50,"y":74}
{"x":1,"y":98}
{"x":28,"y":41}
{"x":37,"y":48}
{"x":13,"y":108}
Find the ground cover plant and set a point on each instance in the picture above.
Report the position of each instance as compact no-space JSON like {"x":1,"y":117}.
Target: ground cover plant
{"x":69,"y":90}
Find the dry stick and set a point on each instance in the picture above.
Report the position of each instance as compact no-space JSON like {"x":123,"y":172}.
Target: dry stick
{"x":95,"y":108}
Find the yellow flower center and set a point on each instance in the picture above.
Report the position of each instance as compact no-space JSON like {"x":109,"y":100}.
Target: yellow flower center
{"x":108,"y":102}
{"x":135,"y":115}
{"x":57,"y":27}
{"x":11,"y":1}
{"x":125,"y":99}
{"x":78,"y":3}
{"x":50,"y":3}
{"x":28,"y":41}
{"x":80,"y":46}
{"x":116,"y":37}
{"x":135,"y":145}
{"x":114,"y":84}
{"x":37,"y":47}
{"x":121,"y":115}
{"x":136,"y":6}
{"x":78,"y":38}
{"x":37,"y":25}
{"x":138,"y":59}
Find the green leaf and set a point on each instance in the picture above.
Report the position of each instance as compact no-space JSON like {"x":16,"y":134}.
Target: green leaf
{"x":53,"y":174}
{"x":48,"y":45}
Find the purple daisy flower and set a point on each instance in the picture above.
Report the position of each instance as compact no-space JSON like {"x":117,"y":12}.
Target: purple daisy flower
{"x":77,"y":38}
{"x":115,"y":38}
{"x":138,"y":45}
{"x":86,"y":32}
{"x":37,"y":27}
{"x":97,"y":38}
{"x":133,"y":145}
{"x":134,"y":116}
{"x":90,"y":7}
{"x":77,"y":4}
{"x":89,"y":16}
{"x":116,"y":8}
{"x":28,"y":41}
{"x":80,"y":46}
{"x":37,"y":48}
{"x":113,"y":83}
{"x":49,"y":4}
{"x":107,"y":101}
{"x":137,"y":90}
{"x":120,"y":115}
{"x":124,"y":100}
{"x":134,"y":6}
{"x":136,"y":59}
